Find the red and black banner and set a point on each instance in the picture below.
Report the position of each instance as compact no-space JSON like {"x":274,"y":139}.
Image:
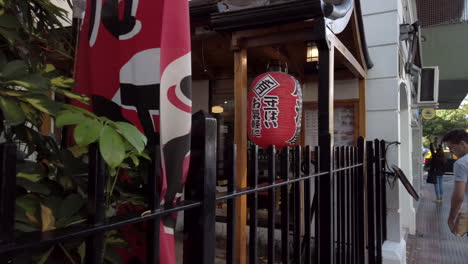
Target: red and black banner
{"x":134,"y":61}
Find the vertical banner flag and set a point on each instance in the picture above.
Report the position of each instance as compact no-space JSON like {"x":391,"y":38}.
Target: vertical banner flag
{"x":134,"y":62}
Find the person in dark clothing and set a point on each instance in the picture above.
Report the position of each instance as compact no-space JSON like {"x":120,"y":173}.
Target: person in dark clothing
{"x":436,"y":171}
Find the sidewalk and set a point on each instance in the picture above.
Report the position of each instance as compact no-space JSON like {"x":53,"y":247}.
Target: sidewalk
{"x":433,"y":242}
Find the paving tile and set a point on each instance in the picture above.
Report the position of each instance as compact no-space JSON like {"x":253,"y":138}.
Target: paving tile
{"x":433,"y":242}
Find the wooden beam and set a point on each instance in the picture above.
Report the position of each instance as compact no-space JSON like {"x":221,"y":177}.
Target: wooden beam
{"x":276,"y":35}
{"x":240,"y":139}
{"x":238,"y":36}
{"x":362,"y":107}
{"x":357,"y":39}
{"x":279,"y":38}
{"x":346,"y":56}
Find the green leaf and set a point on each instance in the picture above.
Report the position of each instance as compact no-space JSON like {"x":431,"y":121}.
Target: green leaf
{"x":10,"y":36}
{"x":81,"y":110}
{"x":70,"y":206}
{"x":25,"y":227}
{"x":3,"y":59}
{"x":33,"y":187}
{"x":31,"y":81}
{"x":144,"y":155}
{"x":12,"y":111}
{"x":62,"y":81}
{"x":20,"y":215}
{"x":132,"y":135}
{"x":114,"y":238}
{"x":8,"y":21}
{"x":87,"y":132}
{"x":74,"y":220}
{"x":81,"y":252}
{"x":30,"y":170}
{"x":47,"y":219}
{"x":29,"y":203}
{"x":53,"y":202}
{"x":16,"y":68}
{"x":66,"y":182}
{"x":49,"y":68}
{"x":113,"y":171}
{"x":76,"y":96}
{"x":69,"y":117}
{"x":45,"y":256}
{"x":43,"y":104}
{"x":77,"y":151}
{"x":112,"y":147}
{"x":30,"y":113}
{"x":14,"y":93}
{"x":135,"y":160}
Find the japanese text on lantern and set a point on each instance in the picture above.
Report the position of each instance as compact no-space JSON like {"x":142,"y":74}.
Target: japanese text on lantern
{"x":265,"y":85}
{"x":271,"y":111}
{"x":256,"y":117}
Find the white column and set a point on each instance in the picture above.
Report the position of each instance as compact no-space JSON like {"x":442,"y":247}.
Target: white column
{"x":381,"y":25}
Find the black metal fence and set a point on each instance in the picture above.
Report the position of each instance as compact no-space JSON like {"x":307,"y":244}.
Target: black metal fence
{"x":355,"y":183}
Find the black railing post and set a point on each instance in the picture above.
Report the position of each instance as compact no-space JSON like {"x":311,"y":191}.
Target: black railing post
{"x":231,"y":210}
{"x":353,"y":159}
{"x":96,"y":207}
{"x":325,"y":193}
{"x":349,"y":221}
{"x":360,"y":212}
{"x":285,"y":206}
{"x":342,"y":200}
{"x":152,"y":237}
{"x":370,"y":203}
{"x":315,"y":204}
{"x":326,"y":246}
{"x":378,"y":201}
{"x":253,"y":204}
{"x":199,"y":223}
{"x":384,"y":190}
{"x":297,"y":205}
{"x":308,"y":207}
{"x":271,"y":204}
{"x":7,"y":197}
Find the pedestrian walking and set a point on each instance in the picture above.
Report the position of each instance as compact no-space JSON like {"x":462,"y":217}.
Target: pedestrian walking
{"x":436,"y":171}
{"x":457,"y":141}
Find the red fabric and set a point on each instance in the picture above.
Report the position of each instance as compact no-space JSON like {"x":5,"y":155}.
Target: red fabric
{"x":124,"y":48}
{"x":275,"y":109}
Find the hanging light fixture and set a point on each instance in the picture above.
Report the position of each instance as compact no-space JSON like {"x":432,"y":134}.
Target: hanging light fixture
{"x":217,"y":109}
{"x":312,"y":52}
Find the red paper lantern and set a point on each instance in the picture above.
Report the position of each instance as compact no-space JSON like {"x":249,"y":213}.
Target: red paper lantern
{"x":275,"y":110}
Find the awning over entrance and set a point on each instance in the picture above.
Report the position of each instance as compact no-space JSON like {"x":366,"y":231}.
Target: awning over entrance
{"x":452,"y":93}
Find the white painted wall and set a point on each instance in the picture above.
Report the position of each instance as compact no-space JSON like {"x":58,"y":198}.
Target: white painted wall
{"x":389,"y":111}
{"x":408,"y":213}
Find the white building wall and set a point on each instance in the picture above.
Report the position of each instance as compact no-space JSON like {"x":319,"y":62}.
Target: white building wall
{"x":389,"y":113}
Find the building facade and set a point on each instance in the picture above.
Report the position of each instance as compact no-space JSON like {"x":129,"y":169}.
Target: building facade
{"x":392,"y":113}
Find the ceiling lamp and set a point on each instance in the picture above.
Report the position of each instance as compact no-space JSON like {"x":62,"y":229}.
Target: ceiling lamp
{"x":217,"y":109}
{"x":312,"y":52}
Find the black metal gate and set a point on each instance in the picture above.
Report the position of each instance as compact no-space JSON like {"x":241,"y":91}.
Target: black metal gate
{"x":356,"y":210}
